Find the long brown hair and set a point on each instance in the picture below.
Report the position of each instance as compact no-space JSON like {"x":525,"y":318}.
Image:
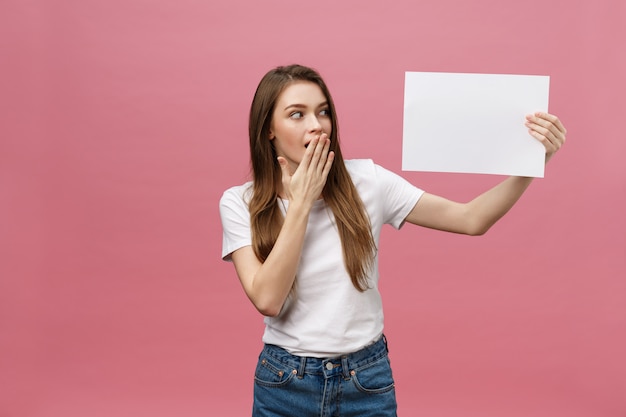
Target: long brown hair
{"x":339,"y":192}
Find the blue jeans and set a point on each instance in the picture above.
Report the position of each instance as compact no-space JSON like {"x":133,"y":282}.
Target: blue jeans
{"x":358,"y":384}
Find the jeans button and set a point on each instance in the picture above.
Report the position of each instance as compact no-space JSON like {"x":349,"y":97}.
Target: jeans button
{"x":329,"y":366}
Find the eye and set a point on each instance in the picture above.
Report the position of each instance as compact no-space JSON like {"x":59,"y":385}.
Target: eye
{"x":296,"y":115}
{"x":325,"y":112}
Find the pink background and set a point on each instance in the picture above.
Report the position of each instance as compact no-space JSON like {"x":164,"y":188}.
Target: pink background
{"x":122,"y":122}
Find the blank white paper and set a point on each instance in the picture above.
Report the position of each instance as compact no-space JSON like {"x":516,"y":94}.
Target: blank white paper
{"x":472,"y":123}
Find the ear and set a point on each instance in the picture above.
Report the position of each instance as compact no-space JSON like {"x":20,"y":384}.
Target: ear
{"x":271,"y":135}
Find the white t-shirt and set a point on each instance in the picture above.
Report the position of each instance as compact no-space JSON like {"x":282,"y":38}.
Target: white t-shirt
{"x":327,"y":316}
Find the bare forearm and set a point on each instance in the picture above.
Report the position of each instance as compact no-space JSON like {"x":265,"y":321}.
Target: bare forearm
{"x":489,"y":207}
{"x":268,"y":283}
{"x":275,"y":277}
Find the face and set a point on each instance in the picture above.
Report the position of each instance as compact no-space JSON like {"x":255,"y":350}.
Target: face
{"x":300,"y":114}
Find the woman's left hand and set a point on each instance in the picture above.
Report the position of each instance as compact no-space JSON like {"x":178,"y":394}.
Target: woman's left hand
{"x":548,"y":130}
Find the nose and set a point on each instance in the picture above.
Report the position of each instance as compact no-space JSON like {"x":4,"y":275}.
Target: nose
{"x":314,"y":125}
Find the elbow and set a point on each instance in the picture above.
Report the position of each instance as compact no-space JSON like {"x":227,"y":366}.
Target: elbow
{"x":478,"y":228}
{"x":268,"y":311}
{"x":473,"y":222}
{"x":267,"y":299}
{"x":478,"y":232}
{"x":268,"y":308}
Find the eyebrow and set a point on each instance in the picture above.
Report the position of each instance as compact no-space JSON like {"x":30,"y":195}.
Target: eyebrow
{"x":302,"y":106}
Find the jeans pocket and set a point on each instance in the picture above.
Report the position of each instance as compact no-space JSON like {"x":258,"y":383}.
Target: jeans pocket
{"x":374,"y":378}
{"x":271,"y":373}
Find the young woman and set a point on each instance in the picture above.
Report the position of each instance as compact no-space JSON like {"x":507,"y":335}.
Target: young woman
{"x":303,"y":237}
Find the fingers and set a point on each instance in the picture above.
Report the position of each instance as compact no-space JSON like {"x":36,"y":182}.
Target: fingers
{"x":286,"y":174}
{"x":547,"y":129}
{"x":309,"y":178}
{"x":320,"y":154}
{"x":316,"y":155}
{"x":547,"y":120}
{"x":323,"y":157}
{"x":321,"y":160}
{"x":328,"y":164}
{"x":284,"y":166}
{"x":308,"y":154}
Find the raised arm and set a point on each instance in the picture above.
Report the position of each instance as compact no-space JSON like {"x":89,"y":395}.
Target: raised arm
{"x":268,"y":284}
{"x":478,"y":215}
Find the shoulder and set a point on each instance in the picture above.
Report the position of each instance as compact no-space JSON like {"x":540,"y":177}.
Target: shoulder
{"x":238,"y":195}
{"x":360,"y":169}
{"x":359,"y":165}
{"x":370,"y":177}
{"x":366,"y":170}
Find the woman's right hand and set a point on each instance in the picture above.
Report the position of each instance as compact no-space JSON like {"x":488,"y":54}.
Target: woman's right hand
{"x":307,"y":182}
{"x":268,"y":283}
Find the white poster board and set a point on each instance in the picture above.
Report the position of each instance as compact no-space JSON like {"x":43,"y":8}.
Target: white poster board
{"x":472,"y":123}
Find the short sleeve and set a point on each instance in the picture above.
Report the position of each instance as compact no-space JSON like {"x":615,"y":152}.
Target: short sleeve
{"x":399,"y":196}
{"x":235,"y":217}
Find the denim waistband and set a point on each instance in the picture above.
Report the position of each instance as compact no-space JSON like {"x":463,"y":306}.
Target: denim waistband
{"x":329,"y":366}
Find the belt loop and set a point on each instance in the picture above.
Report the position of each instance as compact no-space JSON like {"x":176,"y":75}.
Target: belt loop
{"x":344,"y":367}
{"x":302,"y":366}
{"x":385,"y":340}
